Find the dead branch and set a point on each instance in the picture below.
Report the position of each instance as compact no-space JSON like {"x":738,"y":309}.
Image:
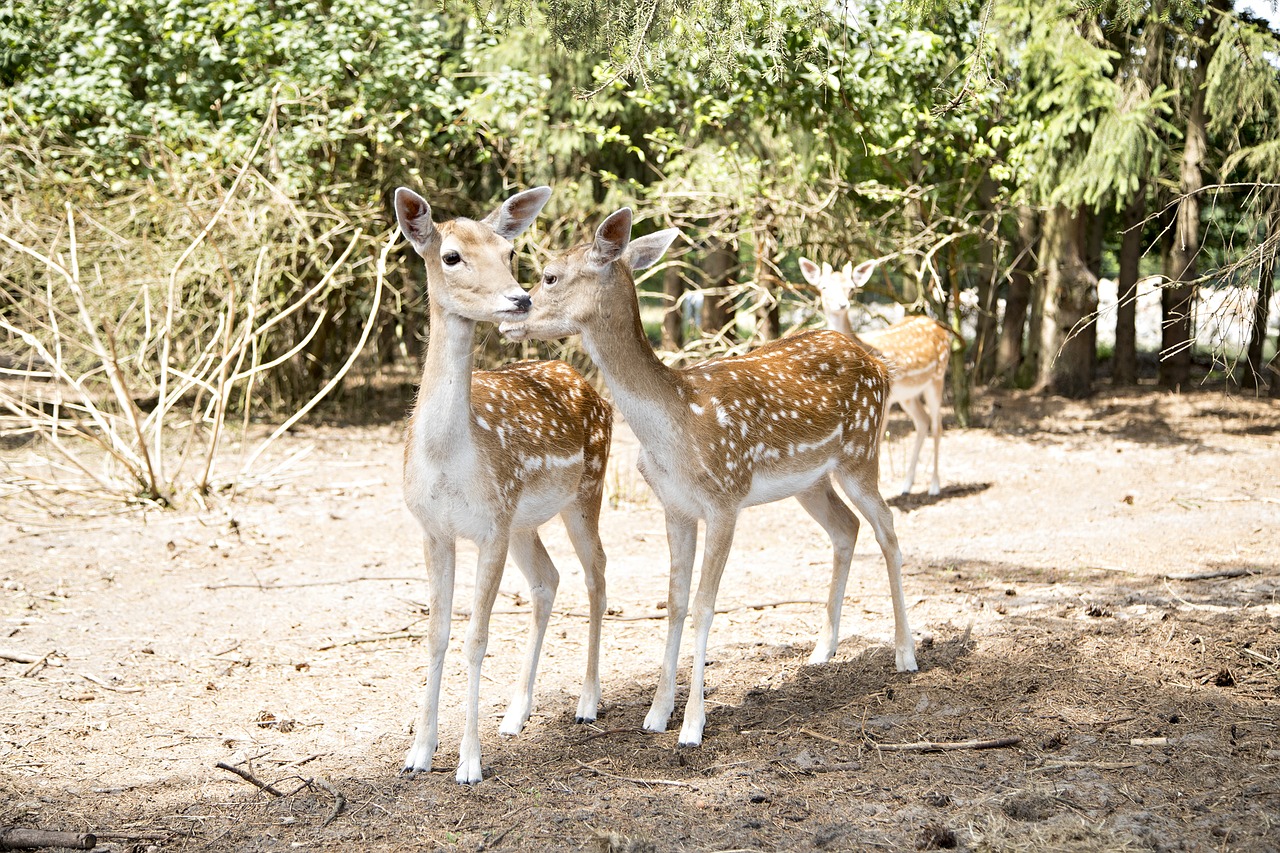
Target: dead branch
{"x":14,"y":838}
{"x":18,"y":657}
{"x":1210,"y":575}
{"x":339,"y":801}
{"x":939,"y":746}
{"x":250,"y":778}
{"x":669,"y":782}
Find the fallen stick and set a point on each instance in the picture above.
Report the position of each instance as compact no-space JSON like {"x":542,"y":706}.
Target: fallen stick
{"x":249,"y":777}
{"x":18,"y":657}
{"x":935,"y":746}
{"x":14,"y":838}
{"x":339,"y":801}
{"x":1210,"y":575}
{"x":633,"y":779}
{"x":98,"y":681}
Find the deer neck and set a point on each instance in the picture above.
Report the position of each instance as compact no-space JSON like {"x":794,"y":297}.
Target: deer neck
{"x":838,"y":321}
{"x":445,"y":389}
{"x":650,"y":395}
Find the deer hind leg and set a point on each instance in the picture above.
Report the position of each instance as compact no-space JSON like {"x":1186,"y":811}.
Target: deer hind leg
{"x":720,"y":530}
{"x":584,"y":532}
{"x":859,"y":483}
{"x":915,"y":410}
{"x":493,"y":556}
{"x":682,"y":540}
{"x":933,"y":399}
{"x":540,"y":572}
{"x":822,"y":502}
{"x":441,"y":558}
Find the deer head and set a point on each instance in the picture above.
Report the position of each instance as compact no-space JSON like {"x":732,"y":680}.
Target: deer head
{"x":834,"y":287}
{"x":469,"y":262}
{"x":586,"y":280}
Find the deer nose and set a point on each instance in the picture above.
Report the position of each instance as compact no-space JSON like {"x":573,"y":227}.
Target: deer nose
{"x":521,"y":302}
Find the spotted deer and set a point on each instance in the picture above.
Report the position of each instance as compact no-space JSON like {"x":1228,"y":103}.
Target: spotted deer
{"x":492,"y":454}
{"x":727,"y":434}
{"x":916,"y":348}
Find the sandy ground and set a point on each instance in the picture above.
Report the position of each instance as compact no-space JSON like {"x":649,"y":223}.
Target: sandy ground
{"x":281,"y":634}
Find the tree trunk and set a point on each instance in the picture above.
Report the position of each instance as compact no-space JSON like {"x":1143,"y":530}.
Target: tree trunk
{"x":1254,"y":368}
{"x":1017,"y":299}
{"x":768,"y":314}
{"x":1177,"y":299}
{"x":1071,"y":295}
{"x":961,"y":390}
{"x":984,"y":339}
{"x":717,"y":307}
{"x":673,"y":287}
{"x":1124,"y":364}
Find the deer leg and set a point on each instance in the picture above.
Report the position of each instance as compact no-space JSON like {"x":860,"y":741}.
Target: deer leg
{"x":933,"y":398}
{"x":584,"y":533}
{"x":682,"y":540}
{"x":915,"y":410}
{"x":540,"y":572}
{"x":441,"y":559}
{"x":719,"y":538}
{"x":493,"y":556}
{"x":860,"y":485}
{"x":822,"y":502}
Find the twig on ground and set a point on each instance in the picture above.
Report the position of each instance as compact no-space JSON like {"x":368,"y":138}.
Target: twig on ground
{"x":19,"y":657}
{"x":36,"y":666}
{"x":1092,"y":765}
{"x":250,"y":778}
{"x":398,"y":635}
{"x":306,"y":583}
{"x":339,"y":801}
{"x":98,"y":681}
{"x":669,"y":782}
{"x":937,"y":746}
{"x":1210,"y":575}
{"x":15,"y":838}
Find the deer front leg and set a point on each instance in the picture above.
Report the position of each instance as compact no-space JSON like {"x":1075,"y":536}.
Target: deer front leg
{"x":822,"y":502}
{"x":540,"y":572}
{"x":682,"y":540}
{"x":440,"y":568}
{"x":720,"y":529}
{"x":493,"y":556}
{"x":583,"y":529}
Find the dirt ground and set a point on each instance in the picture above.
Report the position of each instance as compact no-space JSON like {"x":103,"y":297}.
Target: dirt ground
{"x":281,"y":634}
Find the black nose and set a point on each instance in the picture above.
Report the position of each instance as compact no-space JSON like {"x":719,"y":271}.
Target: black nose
{"x":522,"y":302}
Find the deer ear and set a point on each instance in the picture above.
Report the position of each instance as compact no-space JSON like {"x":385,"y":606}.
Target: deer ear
{"x":414,"y":216}
{"x":645,"y":251}
{"x":862,"y":272}
{"x":518,"y":212}
{"x":826,"y":268}
{"x":810,"y":271}
{"x":612,"y":238}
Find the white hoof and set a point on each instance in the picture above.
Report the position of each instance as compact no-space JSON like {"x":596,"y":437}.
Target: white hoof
{"x":656,"y":721}
{"x":691,"y":735}
{"x":418,"y":759}
{"x":469,"y":772}
{"x":513,"y":721}
{"x":907,"y":660}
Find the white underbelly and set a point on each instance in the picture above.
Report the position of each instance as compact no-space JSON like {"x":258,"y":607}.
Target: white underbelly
{"x":767,"y":487}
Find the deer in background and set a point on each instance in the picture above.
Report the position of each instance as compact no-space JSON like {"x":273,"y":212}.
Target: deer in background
{"x":492,"y":454}
{"x":916,"y":348}
{"x":726,"y":434}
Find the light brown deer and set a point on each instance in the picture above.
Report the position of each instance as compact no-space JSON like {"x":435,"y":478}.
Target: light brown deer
{"x":917,"y":350}
{"x":492,"y":454}
{"x":727,"y":434}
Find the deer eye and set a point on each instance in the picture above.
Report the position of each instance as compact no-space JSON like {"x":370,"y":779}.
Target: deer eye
{"x":451,"y":259}
{"x":549,"y":279}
